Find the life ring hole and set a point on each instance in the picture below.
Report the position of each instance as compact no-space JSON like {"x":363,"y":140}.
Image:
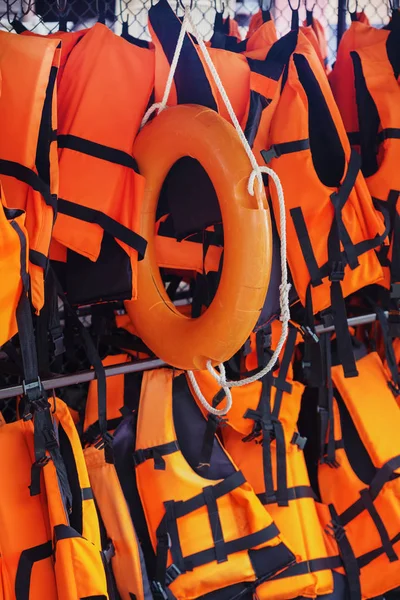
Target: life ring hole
{"x":190,"y":239}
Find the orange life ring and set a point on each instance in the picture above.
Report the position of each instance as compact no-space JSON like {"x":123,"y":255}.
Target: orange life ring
{"x":185,"y":343}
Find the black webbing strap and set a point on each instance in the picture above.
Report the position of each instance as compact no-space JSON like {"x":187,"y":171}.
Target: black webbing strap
{"x":38,"y":259}
{"x":311,"y":566}
{"x":35,"y":403}
{"x":293,"y":493}
{"x":111,"y":226}
{"x":312,"y":355}
{"x":390,"y":133}
{"x":213,"y":422}
{"x":335,"y":529}
{"x":354,"y":138}
{"x":325,"y":407}
{"x":155,"y":453}
{"x":306,"y":246}
{"x":379,"y":524}
{"x":368,"y":557}
{"x":309,"y":17}
{"x":381,"y":477}
{"x":112,"y":155}
{"x":105,"y":438}
{"x":25,"y":564}
{"x":269,"y":428}
{"x":389,"y":350}
{"x":28,"y":176}
{"x":215,"y":524}
{"x":277,"y":150}
{"x":92,"y":433}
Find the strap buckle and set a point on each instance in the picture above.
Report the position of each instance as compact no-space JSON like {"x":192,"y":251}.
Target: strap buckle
{"x":337,"y":272}
{"x":159,"y":592}
{"x":139,"y":457}
{"x":58,"y":344}
{"x":335,"y":530}
{"x":172,"y":573}
{"x":298,"y":440}
{"x":309,"y":334}
{"x":394,"y":388}
{"x":271,"y":153}
{"x":109,"y":552}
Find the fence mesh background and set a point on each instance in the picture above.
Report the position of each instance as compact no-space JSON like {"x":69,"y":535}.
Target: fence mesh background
{"x":44,"y":16}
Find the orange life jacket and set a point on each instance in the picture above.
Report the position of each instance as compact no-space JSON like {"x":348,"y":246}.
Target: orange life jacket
{"x":51,"y":546}
{"x":257,"y":20}
{"x":310,"y":34}
{"x":14,"y":253}
{"x":260,"y":434}
{"x":331,"y":251}
{"x":208,"y":532}
{"x":126,"y":559}
{"x":362,"y":485}
{"x":97,"y":170}
{"x":28,"y":150}
{"x":367,"y":60}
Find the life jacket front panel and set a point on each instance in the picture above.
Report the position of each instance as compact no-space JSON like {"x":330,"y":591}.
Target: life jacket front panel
{"x":362,"y":491}
{"x":178,"y":501}
{"x":347,"y":212}
{"x":28,"y":159}
{"x":97,"y":152}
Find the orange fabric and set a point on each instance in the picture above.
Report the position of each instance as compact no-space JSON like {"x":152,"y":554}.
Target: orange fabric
{"x":259,"y":43}
{"x":13,"y":238}
{"x":110,"y":69}
{"x":234,"y":28}
{"x":310,"y":34}
{"x":240,"y":513}
{"x":320,"y":35}
{"x":188,"y":343}
{"x":71,"y":566}
{"x":26,"y":141}
{"x":184,"y":254}
{"x":342,"y":487}
{"x":290,"y":122}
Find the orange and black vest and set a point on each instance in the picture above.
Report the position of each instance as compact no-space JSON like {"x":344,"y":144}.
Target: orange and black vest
{"x":100,"y":188}
{"x":260,"y":434}
{"x":210,"y":535}
{"x":14,"y":264}
{"x":28,"y":149}
{"x":332,"y":224}
{"x":361,"y":486}
{"x":119,"y":540}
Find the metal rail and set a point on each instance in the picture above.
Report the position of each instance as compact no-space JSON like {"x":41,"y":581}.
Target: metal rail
{"x":143,"y":365}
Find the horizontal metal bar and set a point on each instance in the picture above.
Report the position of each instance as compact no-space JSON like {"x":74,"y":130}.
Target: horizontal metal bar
{"x":143,"y":365}
{"x":83,"y":376}
{"x":352,"y":322}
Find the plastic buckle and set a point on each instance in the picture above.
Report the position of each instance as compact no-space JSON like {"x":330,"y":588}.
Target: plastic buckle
{"x":298,"y":440}
{"x":103,"y":441}
{"x":172,"y":573}
{"x":58,"y":345}
{"x":309,"y":334}
{"x":335,"y":530}
{"x":394,"y":388}
{"x":268,"y":155}
{"x":109,"y":552}
{"x":337,"y":272}
{"x":158,"y":591}
{"x":28,"y":387}
{"x":42,"y":462}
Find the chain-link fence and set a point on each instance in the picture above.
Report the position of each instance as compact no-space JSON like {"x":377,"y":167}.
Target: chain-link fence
{"x":47,"y":16}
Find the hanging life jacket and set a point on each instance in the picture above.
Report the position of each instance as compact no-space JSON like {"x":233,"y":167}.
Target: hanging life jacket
{"x":100,"y":187}
{"x":362,"y":487}
{"x":320,"y":35}
{"x":14,"y":253}
{"x":28,"y":149}
{"x":210,"y":535}
{"x":337,"y":257}
{"x":261,"y":436}
{"x":376,"y":70}
{"x":119,"y":541}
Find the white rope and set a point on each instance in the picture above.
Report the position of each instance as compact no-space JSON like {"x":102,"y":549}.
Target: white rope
{"x":160,"y":106}
{"x":256,"y":173}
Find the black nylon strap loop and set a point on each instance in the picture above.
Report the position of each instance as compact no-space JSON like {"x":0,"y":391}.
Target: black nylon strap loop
{"x":215,"y":524}
{"x":306,"y":246}
{"x":301,"y":491}
{"x":25,"y":564}
{"x":379,"y":524}
{"x":111,"y":226}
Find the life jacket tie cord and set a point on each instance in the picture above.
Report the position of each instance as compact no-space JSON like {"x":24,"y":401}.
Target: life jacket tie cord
{"x":257,"y":172}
